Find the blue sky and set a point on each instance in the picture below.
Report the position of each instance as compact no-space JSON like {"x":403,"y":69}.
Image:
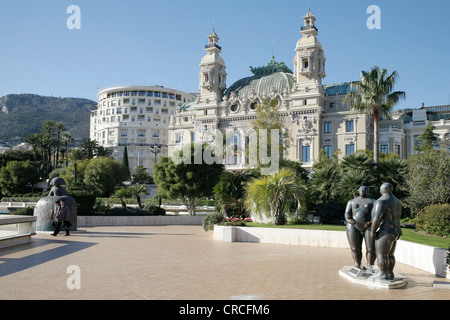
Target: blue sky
{"x":139,"y":42}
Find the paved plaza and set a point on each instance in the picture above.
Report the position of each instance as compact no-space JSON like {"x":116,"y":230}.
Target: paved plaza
{"x":186,"y":263}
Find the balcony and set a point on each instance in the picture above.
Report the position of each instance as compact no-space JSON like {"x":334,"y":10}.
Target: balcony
{"x":303,"y":28}
{"x":213,"y":46}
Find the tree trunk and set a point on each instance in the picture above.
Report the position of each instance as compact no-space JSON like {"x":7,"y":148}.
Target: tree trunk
{"x":376,"y":148}
{"x":190,"y":204}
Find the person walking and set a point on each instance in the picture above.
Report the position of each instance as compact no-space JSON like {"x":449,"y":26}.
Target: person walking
{"x":55,"y":213}
{"x":62,"y":216}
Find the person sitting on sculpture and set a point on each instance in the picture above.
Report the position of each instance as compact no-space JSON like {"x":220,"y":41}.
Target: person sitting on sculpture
{"x":386,"y":214}
{"x":358,"y":217}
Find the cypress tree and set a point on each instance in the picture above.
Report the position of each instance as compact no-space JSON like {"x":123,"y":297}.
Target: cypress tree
{"x":125,"y":162}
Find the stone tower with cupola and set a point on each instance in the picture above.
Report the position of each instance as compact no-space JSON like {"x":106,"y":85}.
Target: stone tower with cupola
{"x":309,"y":61}
{"x":212,"y":75}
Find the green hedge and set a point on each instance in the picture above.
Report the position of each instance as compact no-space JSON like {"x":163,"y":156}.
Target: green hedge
{"x":130,"y":211}
{"x":28,"y":211}
{"x":435,"y":220}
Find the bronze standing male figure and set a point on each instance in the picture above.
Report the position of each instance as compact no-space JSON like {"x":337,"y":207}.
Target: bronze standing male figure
{"x":386,"y":230}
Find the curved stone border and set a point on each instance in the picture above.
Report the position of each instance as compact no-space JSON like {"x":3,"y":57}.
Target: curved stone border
{"x":424,"y":257}
{"x":95,"y":221}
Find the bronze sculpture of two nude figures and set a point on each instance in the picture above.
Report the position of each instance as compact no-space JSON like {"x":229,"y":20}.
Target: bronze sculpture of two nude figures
{"x":378,"y":224}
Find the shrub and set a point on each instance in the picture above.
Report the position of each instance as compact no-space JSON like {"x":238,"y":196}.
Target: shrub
{"x":154,"y":210}
{"x":129,"y":211}
{"x":435,"y":220}
{"x":212,"y":219}
{"x":28,"y":211}
{"x":85,"y":202}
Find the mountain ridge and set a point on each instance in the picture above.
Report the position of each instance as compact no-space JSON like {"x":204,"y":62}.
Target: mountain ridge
{"x":23,"y":114}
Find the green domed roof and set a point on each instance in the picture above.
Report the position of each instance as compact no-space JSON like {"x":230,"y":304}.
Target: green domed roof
{"x":190,"y":105}
{"x":273,"y":75}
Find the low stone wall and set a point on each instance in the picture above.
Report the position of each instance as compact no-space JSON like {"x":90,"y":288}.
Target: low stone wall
{"x":93,"y":221}
{"x":16,"y":229}
{"x":427,"y":258}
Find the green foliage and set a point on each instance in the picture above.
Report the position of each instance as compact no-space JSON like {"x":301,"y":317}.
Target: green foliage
{"x":102,"y":175}
{"x":123,"y":193}
{"x":140,"y":175}
{"x":212,"y":219}
{"x":101,"y":207}
{"x":128,"y":211}
{"x":335,"y":182}
{"x":186,"y":181}
{"x":15,"y":155}
{"x":427,"y":178}
{"x":269,"y":118}
{"x":15,"y":176}
{"x":428,"y":138}
{"x":125,"y":164}
{"x":28,"y":211}
{"x":230,"y":191}
{"x":330,"y":213}
{"x":276,"y":196}
{"x":435,"y":220}
{"x":154,"y":210}
{"x":85,"y":202}
{"x":374,"y":94}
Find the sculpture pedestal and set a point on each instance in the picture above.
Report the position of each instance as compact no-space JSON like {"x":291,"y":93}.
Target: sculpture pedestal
{"x":371,"y":279}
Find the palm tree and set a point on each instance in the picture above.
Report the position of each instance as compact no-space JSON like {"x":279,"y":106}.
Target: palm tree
{"x":275,"y":195}
{"x":89,"y":146}
{"x":229,"y":191}
{"x":59,"y":127}
{"x":101,"y":151}
{"x":373,"y":94}
{"x":67,"y":139}
{"x":76,"y":155}
{"x":323,"y":183}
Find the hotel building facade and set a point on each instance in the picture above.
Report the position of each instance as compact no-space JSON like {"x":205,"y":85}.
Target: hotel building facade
{"x":135,"y":117}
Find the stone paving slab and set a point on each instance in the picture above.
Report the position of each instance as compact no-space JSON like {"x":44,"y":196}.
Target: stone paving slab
{"x":186,"y":263}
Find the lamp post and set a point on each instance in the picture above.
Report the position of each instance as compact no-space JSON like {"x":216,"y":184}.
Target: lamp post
{"x":155,"y":148}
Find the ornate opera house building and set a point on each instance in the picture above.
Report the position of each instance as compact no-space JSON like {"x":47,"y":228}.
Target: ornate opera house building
{"x":315,"y":116}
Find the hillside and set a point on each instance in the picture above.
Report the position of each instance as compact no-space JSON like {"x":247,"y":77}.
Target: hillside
{"x":23,"y":114}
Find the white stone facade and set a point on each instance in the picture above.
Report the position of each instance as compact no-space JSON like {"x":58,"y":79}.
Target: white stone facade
{"x":136,"y":117}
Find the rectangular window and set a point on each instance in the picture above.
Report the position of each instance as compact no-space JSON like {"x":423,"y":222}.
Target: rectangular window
{"x":328,"y":150}
{"x":397,"y":149}
{"x":305,"y":153}
{"x":349,"y":149}
{"x":178,"y":138}
{"x":149,"y":93}
{"x":327,"y":127}
{"x":332,"y":104}
{"x":384,"y":148}
{"x":349,"y":126}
